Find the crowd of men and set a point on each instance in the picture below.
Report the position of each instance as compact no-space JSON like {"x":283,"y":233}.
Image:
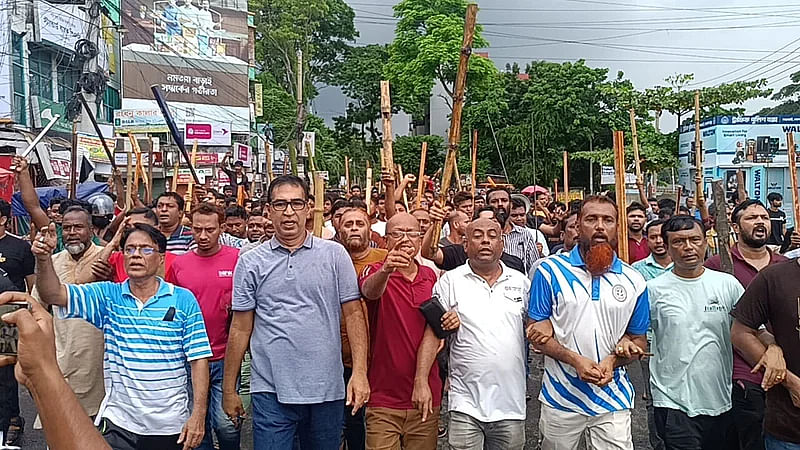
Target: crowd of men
{"x":172,"y":327}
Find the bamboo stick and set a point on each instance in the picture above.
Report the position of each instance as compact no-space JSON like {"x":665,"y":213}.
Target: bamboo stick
{"x":421,"y":177}
{"x":698,"y":148}
{"x":386,"y":114}
{"x":405,"y":192}
{"x":566,"y":177}
{"x":619,"y":178}
{"x":793,"y":175}
{"x":347,"y":173}
{"x":635,"y":145}
{"x":319,"y":203}
{"x":455,"y":123}
{"x":369,"y":189}
{"x":473,"y":181}
{"x":129,"y":181}
{"x":190,"y":189}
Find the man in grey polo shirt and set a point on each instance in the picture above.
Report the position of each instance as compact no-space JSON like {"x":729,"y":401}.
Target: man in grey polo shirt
{"x":288,"y":296}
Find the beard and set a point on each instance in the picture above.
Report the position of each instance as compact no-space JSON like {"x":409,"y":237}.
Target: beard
{"x":754,"y":242}
{"x":356,"y":243}
{"x":75,"y":249}
{"x":599,"y":258}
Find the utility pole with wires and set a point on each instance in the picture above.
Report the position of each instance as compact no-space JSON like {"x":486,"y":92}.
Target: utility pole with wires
{"x":91,"y":85}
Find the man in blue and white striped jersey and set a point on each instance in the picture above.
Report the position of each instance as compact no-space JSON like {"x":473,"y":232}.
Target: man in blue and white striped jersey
{"x":596,"y":308}
{"x":151,"y":330}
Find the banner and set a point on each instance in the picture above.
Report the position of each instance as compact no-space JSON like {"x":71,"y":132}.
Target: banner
{"x":259,"y":99}
{"x":210,"y":134}
{"x":243,"y":153}
{"x":92,"y":146}
{"x":139,"y":121}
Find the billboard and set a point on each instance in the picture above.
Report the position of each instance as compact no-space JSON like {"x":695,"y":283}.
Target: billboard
{"x":62,"y":25}
{"x":211,"y":30}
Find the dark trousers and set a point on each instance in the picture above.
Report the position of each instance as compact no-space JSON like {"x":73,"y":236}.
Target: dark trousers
{"x":655,"y":440}
{"x":9,"y":398}
{"x":355,"y":430}
{"x":119,"y":439}
{"x":678,"y":431}
{"x":749,"y":401}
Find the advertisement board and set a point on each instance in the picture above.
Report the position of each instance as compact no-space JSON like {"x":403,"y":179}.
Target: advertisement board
{"x":243,"y":153}
{"x":139,"y":121}
{"x":213,"y":30}
{"x":211,"y":134}
{"x":62,"y":25}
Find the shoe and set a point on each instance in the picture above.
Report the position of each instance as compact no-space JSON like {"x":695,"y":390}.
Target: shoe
{"x":15,"y":429}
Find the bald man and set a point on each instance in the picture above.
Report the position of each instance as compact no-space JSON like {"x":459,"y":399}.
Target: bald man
{"x":488,"y":349}
{"x":403,"y":408}
{"x":458,"y":222}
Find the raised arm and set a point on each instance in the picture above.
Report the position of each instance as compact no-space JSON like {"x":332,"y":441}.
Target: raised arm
{"x":387,"y":178}
{"x":51,"y":291}
{"x":28,"y":193}
{"x":437,"y":255}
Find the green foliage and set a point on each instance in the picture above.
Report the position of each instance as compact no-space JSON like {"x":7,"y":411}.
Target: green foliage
{"x":321,"y":28}
{"x":790,"y":94}
{"x":426,"y":50}
{"x":407,"y":150}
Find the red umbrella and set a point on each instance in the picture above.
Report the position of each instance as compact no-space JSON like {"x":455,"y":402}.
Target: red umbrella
{"x":531,"y":190}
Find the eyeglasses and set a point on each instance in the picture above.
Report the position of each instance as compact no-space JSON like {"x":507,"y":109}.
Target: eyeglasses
{"x":400,"y":234}
{"x":144,"y":250}
{"x":296,"y":204}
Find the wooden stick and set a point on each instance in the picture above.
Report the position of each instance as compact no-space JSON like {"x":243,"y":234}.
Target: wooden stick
{"x":347,"y":173}
{"x":73,"y":162}
{"x":148,"y":195}
{"x":473,"y":181}
{"x":129,"y":181}
{"x":698,"y":148}
{"x":566,"y":177}
{"x":175,"y":176}
{"x":555,"y":190}
{"x":386,"y":114}
{"x":190,"y":189}
{"x":405,"y":190}
{"x":678,"y":200}
{"x":455,"y":121}
{"x":270,"y":174}
{"x":723,"y":227}
{"x":793,"y":178}
{"x":319,"y":203}
{"x":139,"y":167}
{"x":369,"y":189}
{"x":421,"y":177}
{"x":619,"y":178}
{"x":458,"y":177}
{"x":635,"y":145}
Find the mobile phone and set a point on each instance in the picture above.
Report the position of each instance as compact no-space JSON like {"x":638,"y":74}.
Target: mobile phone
{"x":9,"y":335}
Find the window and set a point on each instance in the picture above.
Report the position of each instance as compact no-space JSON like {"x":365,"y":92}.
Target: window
{"x":18,"y":78}
{"x":67,"y":78}
{"x":111,"y":102}
{"x":41,"y":71}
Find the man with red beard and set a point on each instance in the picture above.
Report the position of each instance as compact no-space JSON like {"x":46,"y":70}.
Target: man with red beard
{"x":596,"y":308}
{"x":354,"y":234}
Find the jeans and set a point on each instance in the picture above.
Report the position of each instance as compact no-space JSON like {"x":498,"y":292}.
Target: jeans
{"x":216,"y":421}
{"x":317,"y":426}
{"x":773,"y":444}
{"x":681,"y":432}
{"x":355,"y":430}
{"x":749,"y":402}
{"x":467,"y":433}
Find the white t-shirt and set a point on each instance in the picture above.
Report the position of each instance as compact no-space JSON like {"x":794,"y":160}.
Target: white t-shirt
{"x":487,"y":353}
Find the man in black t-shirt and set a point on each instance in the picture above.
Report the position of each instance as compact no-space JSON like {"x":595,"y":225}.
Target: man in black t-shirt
{"x":777,"y":219}
{"x":18,"y":263}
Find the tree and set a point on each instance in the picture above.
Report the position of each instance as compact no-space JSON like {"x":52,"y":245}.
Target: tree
{"x":790,"y":95}
{"x":426,"y":50}
{"x":407,"y":150}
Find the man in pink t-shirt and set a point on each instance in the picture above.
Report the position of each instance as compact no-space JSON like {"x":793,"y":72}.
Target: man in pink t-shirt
{"x":207,"y":271}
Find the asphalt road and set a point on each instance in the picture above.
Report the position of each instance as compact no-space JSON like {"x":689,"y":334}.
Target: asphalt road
{"x":34,"y":439}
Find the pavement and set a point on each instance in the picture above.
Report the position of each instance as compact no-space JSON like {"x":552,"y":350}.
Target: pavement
{"x":34,"y":439}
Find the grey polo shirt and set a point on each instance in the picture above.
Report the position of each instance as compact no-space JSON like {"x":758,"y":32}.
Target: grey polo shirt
{"x":297,"y":297}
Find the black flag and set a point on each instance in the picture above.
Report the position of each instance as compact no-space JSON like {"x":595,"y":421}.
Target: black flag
{"x":86,"y":170}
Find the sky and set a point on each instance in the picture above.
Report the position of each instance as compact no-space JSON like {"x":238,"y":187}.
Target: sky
{"x":718,"y":41}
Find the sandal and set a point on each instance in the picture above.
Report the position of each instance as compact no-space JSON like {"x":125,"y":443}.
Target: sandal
{"x":15,"y":429}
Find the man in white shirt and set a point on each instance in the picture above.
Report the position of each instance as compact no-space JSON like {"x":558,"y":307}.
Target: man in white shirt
{"x":596,"y":305}
{"x":520,"y":219}
{"x":488,"y":350}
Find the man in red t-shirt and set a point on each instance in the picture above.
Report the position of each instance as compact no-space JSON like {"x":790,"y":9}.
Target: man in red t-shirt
{"x":207,"y":271}
{"x":403,"y":375}
{"x":637,"y":243}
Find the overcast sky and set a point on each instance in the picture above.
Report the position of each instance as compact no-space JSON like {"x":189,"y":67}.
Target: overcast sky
{"x":718,"y":41}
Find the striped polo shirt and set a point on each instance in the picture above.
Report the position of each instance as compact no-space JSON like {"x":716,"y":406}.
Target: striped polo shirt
{"x":180,"y":241}
{"x":589,"y":316}
{"x":147,"y":347}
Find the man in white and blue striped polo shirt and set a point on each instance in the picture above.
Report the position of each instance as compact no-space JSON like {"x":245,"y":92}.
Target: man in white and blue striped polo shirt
{"x":595,"y":304}
{"x":151,"y":329}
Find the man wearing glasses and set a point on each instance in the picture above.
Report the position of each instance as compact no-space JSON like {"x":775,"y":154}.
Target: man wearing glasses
{"x":771,"y":298}
{"x":151,"y":330}
{"x":406,"y":388}
{"x":289,"y":297}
